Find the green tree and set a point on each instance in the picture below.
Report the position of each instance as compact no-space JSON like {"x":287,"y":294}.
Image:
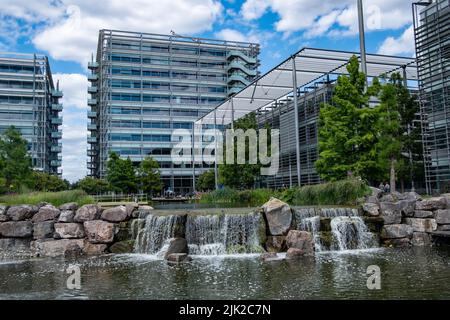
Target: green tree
{"x":43,"y":181}
{"x":206,"y":181}
{"x":149,"y":176}
{"x":15,"y":162}
{"x":121,"y":174}
{"x":92,"y":185}
{"x":346,"y":137}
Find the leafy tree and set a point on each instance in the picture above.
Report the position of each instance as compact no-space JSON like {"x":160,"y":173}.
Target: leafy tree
{"x":206,"y":181}
{"x":42,"y":181}
{"x":92,"y":185}
{"x":346,"y":137}
{"x":15,"y":162}
{"x":121,"y":174}
{"x":149,"y":176}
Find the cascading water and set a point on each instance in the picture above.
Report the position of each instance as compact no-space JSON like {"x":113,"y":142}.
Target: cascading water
{"x":335,"y":228}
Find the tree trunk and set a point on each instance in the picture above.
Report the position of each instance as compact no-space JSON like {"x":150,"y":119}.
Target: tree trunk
{"x":392,"y":174}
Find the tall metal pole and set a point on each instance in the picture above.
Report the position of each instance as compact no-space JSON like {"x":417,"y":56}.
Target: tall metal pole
{"x":362,"y":41}
{"x":297,"y":138}
{"x":405,"y":84}
{"x":216,"y":183}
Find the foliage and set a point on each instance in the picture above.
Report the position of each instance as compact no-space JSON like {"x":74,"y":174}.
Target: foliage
{"x":15,"y":163}
{"x":92,"y":185}
{"x":253,"y":197}
{"x":149,"y":176}
{"x":42,"y":181}
{"x":55,"y":198}
{"x":206,"y":181}
{"x":120,"y":174}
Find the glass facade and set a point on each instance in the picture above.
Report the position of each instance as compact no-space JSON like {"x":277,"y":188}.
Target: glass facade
{"x":144,"y":86}
{"x":29,"y":100}
{"x":432,"y":36}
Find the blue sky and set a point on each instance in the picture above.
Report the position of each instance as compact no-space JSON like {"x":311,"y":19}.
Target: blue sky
{"x":67,"y":31}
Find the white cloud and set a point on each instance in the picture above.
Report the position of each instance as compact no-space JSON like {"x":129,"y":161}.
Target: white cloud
{"x":234,"y":35}
{"x":70,"y":27}
{"x":401,"y":45}
{"x":254,"y":9}
{"x":74,"y":87}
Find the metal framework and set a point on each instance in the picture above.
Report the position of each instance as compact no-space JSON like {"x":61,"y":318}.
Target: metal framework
{"x":302,"y":73}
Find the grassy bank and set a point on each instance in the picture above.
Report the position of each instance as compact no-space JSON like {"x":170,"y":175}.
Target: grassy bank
{"x":55,"y":198}
{"x":344,"y":192}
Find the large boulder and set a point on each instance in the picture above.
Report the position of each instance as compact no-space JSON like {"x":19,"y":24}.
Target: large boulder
{"x":443,"y":216}
{"x":14,"y":246}
{"x":276,"y":243}
{"x":116,"y":214}
{"x":46,"y":213}
{"x":278,"y":215}
{"x":376,"y":192}
{"x":93,"y":249}
{"x":412,"y":196}
{"x":422,"y":225}
{"x":302,"y":240}
{"x":16,"y":229}
{"x":432,"y":203}
{"x":72,"y":206}
{"x":131,"y":208}
{"x":4,"y":217}
{"x":88,"y":212}
{"x":66,"y":216}
{"x":23,"y":212}
{"x":125,"y":246}
{"x":394,"y":231}
{"x":423,"y":214}
{"x":391,"y":212}
{"x":372,"y":209}
{"x":177,"y":245}
{"x":268,"y":256}
{"x":397,"y":242}
{"x":43,"y":230}
{"x":178,"y":258}
{"x":443,"y":227}
{"x":421,"y":239}
{"x":98,"y":231}
{"x":407,"y":207}
{"x":295,"y":253}
{"x":54,"y":248}
{"x":124,"y":231}
{"x":69,"y":231}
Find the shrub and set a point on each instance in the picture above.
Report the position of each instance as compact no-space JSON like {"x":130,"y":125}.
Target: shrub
{"x":55,"y":198}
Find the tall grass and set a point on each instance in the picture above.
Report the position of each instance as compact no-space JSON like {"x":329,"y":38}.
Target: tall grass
{"x":55,"y":198}
{"x":254,"y":197}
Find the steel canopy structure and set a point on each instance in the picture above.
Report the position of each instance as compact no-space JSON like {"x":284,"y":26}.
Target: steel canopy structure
{"x":299,"y":73}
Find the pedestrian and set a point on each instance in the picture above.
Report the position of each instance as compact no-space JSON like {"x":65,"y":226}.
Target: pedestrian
{"x":381,"y":186}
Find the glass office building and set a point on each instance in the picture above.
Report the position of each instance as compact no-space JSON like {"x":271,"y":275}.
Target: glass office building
{"x":432,"y":36}
{"x":144,"y":86}
{"x":29,"y":100}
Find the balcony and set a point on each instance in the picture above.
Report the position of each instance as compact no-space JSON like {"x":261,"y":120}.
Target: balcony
{"x":91,"y":165}
{"x":238,"y":77}
{"x":57,"y":107}
{"x":240,"y":54}
{"x":55,"y":163}
{"x":92,"y":126}
{"x":92,"y":139}
{"x":57,"y":134}
{"x":92,"y":89}
{"x":93,"y":65}
{"x":91,"y":153}
{"x":240,"y":66}
{"x":92,"y":102}
{"x":92,"y":77}
{"x":57,"y":120}
{"x":234,"y":90}
{"x":92,"y":114}
{"x":57,"y":93}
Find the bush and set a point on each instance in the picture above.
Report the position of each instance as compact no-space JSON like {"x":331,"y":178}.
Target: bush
{"x":254,"y":197}
{"x":55,"y":198}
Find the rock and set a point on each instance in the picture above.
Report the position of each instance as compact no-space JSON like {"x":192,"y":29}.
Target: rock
{"x":412,"y":196}
{"x":407,"y":207}
{"x":177,"y":245}
{"x":423,"y":214}
{"x":116,"y":214}
{"x":126,"y":246}
{"x":432,"y":203}
{"x":371,"y":209}
{"x":387,"y":198}
{"x":295,"y":253}
{"x":443,"y":227}
{"x":15,"y":247}
{"x":54,"y":248}
{"x":374,"y":224}
{"x":69,"y":231}
{"x":376,"y":192}
{"x":72,"y":206}
{"x":421,"y":239}
{"x":268,"y":256}
{"x":3,"y":209}
{"x":422,"y":225}
{"x":178,"y":257}
{"x":46,"y":213}
{"x":402,"y":242}
{"x":442,"y":216}
{"x":66,"y":216}
{"x":278,"y":215}
{"x":142,"y":212}
{"x":16,"y":229}
{"x":302,"y":240}
{"x":88,"y":212}
{"x":131,"y":207}
{"x":393,"y":231}
{"x":123,"y":231}
{"x":4,"y":217}
{"x":92,"y":249}
{"x":372,"y":199}
{"x":99,"y":231}
{"x":43,"y":230}
{"x":262,"y":230}
{"x":391,"y":212}
{"x":276,"y":243}
{"x":19,"y":213}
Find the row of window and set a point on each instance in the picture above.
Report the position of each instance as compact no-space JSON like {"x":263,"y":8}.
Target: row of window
{"x":129,"y":71}
{"x":158,"y":112}
{"x":150,"y":124}
{"x":165,"y":49}
{"x":16,"y":84}
{"x":166,"y":86}
{"x":18,"y":69}
{"x":167,"y":61}
{"x":139,"y":137}
{"x":144,"y":151}
{"x":16,"y":100}
{"x":165,"y":99}
{"x":23,"y":130}
{"x":16,"y":115}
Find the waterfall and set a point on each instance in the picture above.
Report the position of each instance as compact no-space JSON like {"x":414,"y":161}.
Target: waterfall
{"x":335,"y":228}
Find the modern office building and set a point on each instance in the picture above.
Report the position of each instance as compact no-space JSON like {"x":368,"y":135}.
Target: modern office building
{"x":29,"y":100}
{"x":143,"y":86}
{"x":432,"y":37}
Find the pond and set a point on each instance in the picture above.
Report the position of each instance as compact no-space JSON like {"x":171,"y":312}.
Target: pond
{"x":412,"y":273}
